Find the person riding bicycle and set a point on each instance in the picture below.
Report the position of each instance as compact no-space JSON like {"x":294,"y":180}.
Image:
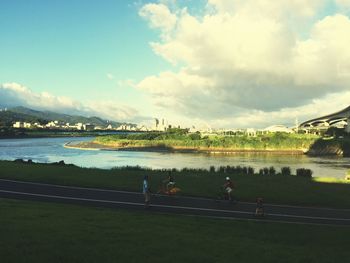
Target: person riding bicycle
{"x":228,"y":188}
{"x":170,"y":183}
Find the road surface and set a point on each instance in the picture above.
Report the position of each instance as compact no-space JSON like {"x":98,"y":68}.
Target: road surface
{"x":191,"y":206}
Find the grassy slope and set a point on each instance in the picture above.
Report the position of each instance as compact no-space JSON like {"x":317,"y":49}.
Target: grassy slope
{"x":274,"y":189}
{"x":277,"y":141}
{"x":43,"y":232}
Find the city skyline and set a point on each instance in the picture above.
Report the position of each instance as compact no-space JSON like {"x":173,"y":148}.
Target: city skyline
{"x":216,"y":63}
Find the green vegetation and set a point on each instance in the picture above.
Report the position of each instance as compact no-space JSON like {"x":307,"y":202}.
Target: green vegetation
{"x":332,"y":145}
{"x":278,"y":188}
{"x":7,"y":118}
{"x":49,"y":232}
{"x":9,"y":132}
{"x":176,"y":139}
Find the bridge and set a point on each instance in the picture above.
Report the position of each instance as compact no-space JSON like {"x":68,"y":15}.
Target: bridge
{"x":342,"y":116}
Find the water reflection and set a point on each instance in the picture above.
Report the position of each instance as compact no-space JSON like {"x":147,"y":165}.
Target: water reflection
{"x":52,"y":150}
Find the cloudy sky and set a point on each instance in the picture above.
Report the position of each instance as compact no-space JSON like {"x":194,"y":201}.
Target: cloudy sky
{"x":217,"y":63}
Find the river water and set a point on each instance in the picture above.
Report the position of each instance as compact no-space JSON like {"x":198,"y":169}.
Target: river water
{"x":52,"y":150}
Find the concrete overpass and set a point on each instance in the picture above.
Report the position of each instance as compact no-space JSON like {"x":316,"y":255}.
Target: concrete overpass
{"x":329,"y":120}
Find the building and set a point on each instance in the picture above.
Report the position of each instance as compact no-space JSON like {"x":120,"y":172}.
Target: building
{"x":251,"y":132}
{"x":79,"y":126}
{"x":278,"y":128}
{"x":38,"y":125}
{"x":161,"y":126}
{"x":88,"y":127}
{"x":27,"y":125}
{"x":18,"y":124}
{"x":52,"y":124}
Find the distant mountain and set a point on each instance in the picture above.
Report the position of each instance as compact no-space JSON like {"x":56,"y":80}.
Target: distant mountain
{"x":7,"y":118}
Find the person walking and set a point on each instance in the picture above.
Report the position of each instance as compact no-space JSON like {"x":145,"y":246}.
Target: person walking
{"x":228,"y":188}
{"x":146,"y":191}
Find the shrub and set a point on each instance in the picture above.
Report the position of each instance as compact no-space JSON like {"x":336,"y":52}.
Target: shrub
{"x":286,"y":171}
{"x":302,"y":172}
{"x":222,"y":169}
{"x":195,"y":136}
{"x":272,"y":171}
{"x":239,"y":169}
{"x":212,"y":169}
{"x":250,"y":170}
{"x":266,"y":171}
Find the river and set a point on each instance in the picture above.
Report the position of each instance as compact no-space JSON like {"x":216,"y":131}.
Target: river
{"x":53,"y":150}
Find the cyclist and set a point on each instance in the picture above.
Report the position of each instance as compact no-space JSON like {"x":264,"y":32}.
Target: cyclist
{"x":170,"y":182}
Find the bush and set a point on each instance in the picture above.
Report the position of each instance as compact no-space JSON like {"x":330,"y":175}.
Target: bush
{"x":250,"y":170}
{"x":302,"y":172}
{"x":222,"y":169}
{"x":286,"y":171}
{"x":212,"y":169}
{"x":195,"y":136}
{"x":266,"y":171}
{"x":272,"y":171}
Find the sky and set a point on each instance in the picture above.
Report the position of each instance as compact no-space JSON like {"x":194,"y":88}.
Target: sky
{"x":203,"y":63}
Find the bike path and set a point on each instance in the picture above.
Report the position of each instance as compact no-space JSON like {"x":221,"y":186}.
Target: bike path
{"x":171,"y":204}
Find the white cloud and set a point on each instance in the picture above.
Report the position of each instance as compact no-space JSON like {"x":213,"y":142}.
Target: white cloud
{"x":159,"y":16}
{"x":112,"y":110}
{"x":246,"y":58}
{"x":14,"y":94}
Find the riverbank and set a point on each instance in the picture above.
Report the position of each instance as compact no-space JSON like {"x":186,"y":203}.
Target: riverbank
{"x":274,"y":187}
{"x":281,"y":144}
{"x":89,"y":146}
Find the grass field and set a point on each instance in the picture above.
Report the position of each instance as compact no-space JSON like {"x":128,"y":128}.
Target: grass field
{"x":49,"y":232}
{"x":274,"y":189}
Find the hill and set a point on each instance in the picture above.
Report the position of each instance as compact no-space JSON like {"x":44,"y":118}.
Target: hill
{"x":7,"y":118}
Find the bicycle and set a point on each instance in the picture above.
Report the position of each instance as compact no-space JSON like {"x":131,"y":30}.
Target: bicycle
{"x":168,"y":188}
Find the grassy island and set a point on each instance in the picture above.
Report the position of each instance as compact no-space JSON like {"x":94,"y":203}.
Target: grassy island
{"x":177,"y":140}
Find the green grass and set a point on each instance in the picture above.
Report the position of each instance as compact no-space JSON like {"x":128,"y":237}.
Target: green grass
{"x":275,"y":141}
{"x":49,"y":232}
{"x":275,"y":189}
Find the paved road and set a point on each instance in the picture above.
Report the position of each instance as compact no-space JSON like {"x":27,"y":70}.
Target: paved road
{"x":171,"y":204}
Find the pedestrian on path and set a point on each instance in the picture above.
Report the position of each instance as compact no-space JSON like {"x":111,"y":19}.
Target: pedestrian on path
{"x":146,"y":190}
{"x":228,"y":188}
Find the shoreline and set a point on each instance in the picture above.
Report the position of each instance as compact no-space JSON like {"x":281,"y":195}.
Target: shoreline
{"x":92,"y":146}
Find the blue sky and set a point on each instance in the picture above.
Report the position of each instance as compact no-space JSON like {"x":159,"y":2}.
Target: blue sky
{"x":189,"y":61}
{"x":68,"y":47}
